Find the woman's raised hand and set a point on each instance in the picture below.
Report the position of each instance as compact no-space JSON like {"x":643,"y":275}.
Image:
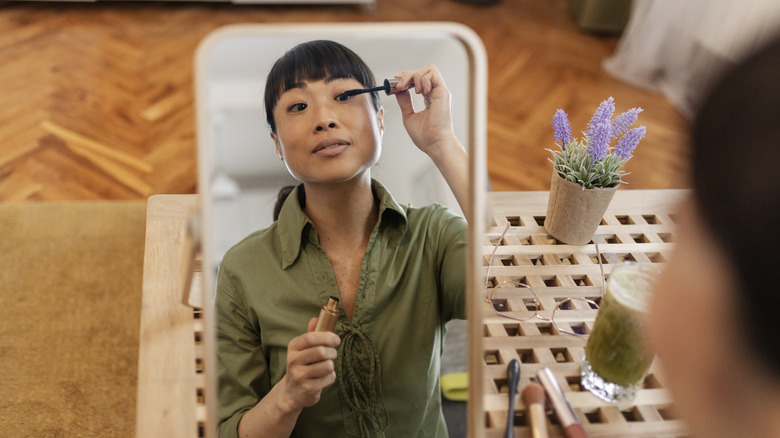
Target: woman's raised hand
{"x":430,"y":128}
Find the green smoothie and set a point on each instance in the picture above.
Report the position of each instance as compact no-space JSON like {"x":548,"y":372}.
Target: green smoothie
{"x":617,"y":349}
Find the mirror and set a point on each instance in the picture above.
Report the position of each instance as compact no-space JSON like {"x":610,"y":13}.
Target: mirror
{"x":240,"y":174}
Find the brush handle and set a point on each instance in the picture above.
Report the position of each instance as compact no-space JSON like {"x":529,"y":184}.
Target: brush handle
{"x":566,"y":415}
{"x":538,"y":420}
{"x":513,"y":377}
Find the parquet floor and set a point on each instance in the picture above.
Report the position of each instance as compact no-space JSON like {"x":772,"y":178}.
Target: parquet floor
{"x":96,"y":100}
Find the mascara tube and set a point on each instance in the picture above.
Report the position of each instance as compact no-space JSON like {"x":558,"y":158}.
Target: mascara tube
{"x":391,"y":86}
{"x":328,"y":316}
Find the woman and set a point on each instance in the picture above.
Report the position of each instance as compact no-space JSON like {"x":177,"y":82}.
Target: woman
{"x":398,"y":271}
{"x":714,"y":317}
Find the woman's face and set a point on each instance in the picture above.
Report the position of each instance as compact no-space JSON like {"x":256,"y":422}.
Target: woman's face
{"x":692,"y":326}
{"x":324,"y":138}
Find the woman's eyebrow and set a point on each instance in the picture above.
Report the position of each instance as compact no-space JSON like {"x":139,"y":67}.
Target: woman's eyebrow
{"x":297,"y":85}
{"x":330,"y":79}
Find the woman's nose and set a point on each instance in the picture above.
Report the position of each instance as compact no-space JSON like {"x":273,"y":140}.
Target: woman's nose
{"x":325,"y":124}
{"x":325,"y":116}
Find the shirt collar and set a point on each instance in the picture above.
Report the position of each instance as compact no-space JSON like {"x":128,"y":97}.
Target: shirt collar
{"x":293,"y":222}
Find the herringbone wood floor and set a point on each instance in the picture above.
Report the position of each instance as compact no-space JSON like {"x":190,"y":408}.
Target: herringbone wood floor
{"x":96,"y":100}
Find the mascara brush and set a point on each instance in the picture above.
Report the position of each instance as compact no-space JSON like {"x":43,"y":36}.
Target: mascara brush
{"x":389,"y":87}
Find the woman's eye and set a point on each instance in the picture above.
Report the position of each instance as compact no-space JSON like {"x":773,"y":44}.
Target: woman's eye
{"x":296,"y":107}
{"x":343,"y":97}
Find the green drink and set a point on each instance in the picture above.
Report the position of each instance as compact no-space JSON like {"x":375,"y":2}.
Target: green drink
{"x":617,"y":355}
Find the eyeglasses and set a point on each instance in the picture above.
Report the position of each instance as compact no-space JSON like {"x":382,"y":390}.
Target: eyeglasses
{"x":500,"y":307}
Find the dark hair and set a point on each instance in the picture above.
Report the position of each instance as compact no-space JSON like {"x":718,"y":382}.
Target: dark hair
{"x":284,"y":192}
{"x":314,"y":61}
{"x":736,"y":166}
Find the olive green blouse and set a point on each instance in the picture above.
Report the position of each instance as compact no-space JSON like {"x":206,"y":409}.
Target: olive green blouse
{"x":412,"y":282}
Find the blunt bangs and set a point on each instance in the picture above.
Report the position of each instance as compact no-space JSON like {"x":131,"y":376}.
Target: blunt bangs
{"x":314,"y":61}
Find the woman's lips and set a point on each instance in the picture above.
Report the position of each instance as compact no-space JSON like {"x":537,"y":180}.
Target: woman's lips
{"x":331,"y":147}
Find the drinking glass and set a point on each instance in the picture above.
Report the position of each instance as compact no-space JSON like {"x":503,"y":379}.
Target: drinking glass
{"x":617,"y":354}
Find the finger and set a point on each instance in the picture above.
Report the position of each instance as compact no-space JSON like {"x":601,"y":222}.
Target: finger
{"x":318,"y":354}
{"x":312,"y":379}
{"x":320,"y":369}
{"x":404,"y":80}
{"x":325,"y":380}
{"x":310,"y":357}
{"x":418,"y":82}
{"x":405,"y":103}
{"x":312,"y":324}
{"x":315,"y":385}
{"x":315,"y":370}
{"x":313,"y":339}
{"x":426,"y":84}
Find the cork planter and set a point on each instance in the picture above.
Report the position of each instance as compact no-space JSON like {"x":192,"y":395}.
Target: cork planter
{"x":573,"y":212}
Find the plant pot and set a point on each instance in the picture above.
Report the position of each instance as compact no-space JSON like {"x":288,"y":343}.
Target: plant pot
{"x":573,"y":212}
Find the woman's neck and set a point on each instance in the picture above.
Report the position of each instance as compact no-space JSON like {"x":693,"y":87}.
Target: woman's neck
{"x":345,"y":210}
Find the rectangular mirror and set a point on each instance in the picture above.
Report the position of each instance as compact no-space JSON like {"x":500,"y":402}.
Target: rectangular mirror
{"x":240,"y":174}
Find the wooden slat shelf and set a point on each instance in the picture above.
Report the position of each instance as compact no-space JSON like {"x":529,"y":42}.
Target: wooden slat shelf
{"x":638,"y":226}
{"x":171,"y":378}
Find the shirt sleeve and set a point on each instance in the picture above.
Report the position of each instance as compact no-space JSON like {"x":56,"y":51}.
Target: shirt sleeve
{"x":242,"y":368}
{"x":452,"y":239}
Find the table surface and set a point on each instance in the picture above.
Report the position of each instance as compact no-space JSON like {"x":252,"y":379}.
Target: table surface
{"x":638,"y":226}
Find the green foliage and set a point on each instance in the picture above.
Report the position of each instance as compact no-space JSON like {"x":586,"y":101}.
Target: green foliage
{"x":575,"y":164}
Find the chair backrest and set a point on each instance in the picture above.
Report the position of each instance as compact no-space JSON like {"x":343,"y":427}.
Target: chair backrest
{"x":239,"y":173}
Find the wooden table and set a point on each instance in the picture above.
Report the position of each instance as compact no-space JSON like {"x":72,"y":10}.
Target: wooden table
{"x":171,"y":380}
{"x":638,"y":226}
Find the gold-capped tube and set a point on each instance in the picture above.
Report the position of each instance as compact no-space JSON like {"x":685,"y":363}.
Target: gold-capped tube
{"x":328,"y":316}
{"x":391,"y":86}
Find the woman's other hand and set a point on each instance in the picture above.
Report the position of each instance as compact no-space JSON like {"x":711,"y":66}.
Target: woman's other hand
{"x":309,"y":369}
{"x":310,"y":366}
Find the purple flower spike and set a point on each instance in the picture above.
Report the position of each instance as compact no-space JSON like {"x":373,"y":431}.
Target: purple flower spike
{"x":598,"y":143}
{"x":603,"y":114}
{"x":561,"y":128}
{"x":628,"y":142}
{"x":621,"y":123}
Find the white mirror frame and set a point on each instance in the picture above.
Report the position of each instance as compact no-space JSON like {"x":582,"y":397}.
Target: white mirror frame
{"x":476,"y":144}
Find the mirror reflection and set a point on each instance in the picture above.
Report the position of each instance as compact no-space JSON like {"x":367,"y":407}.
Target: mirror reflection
{"x":368,"y":235}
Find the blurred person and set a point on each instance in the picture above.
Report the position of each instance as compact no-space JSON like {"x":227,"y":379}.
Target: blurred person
{"x":715,"y":316}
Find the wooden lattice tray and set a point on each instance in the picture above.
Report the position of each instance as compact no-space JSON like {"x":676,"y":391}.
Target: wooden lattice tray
{"x":639,"y":226}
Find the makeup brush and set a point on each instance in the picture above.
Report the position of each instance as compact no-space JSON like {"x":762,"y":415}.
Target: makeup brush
{"x":513,"y":376}
{"x":566,"y":415}
{"x":533,"y":397}
{"x":389,"y":87}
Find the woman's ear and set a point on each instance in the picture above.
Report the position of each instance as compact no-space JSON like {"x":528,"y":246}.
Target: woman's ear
{"x":380,"y":117}
{"x":278,"y":146}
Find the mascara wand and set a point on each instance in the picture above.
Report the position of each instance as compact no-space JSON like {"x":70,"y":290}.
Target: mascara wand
{"x":388,"y":87}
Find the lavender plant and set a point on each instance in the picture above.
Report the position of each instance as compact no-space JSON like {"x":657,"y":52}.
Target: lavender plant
{"x":590,"y":161}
